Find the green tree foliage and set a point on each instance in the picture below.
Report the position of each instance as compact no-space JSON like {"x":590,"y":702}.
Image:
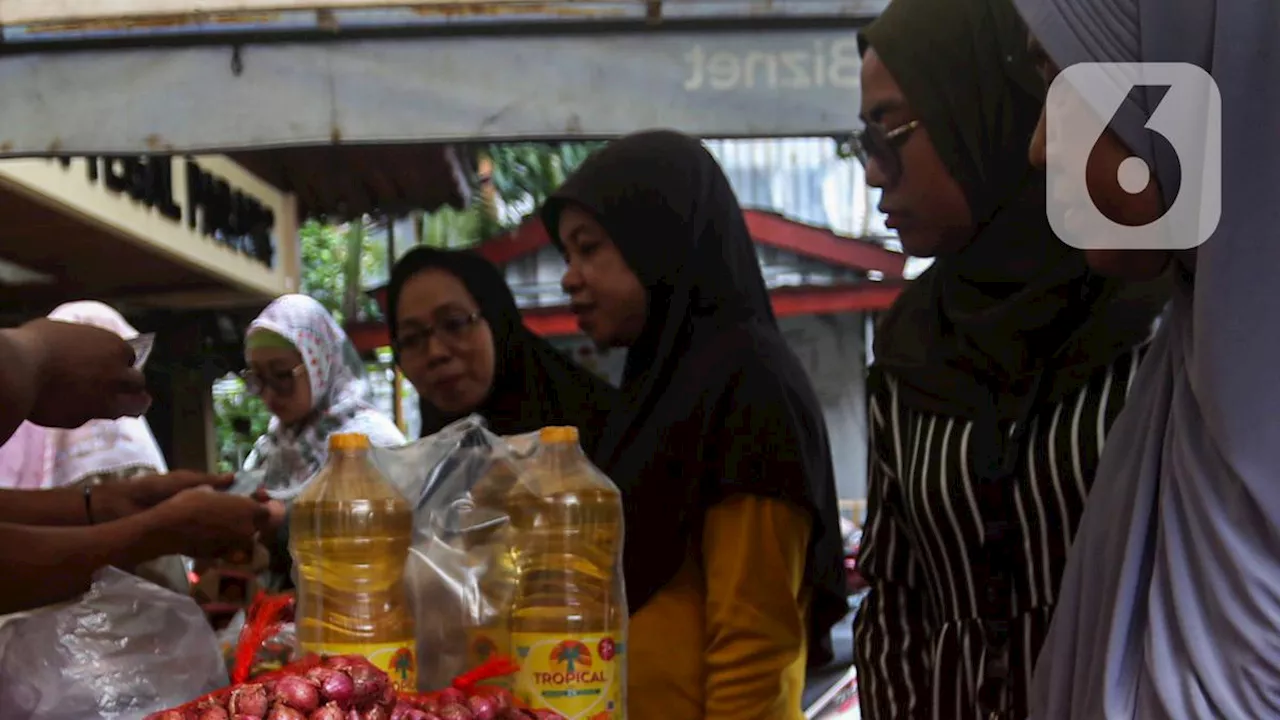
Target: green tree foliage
{"x":326,"y":251}
{"x":524,"y":174}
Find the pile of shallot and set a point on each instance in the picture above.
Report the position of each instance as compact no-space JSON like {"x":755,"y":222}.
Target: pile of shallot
{"x":484,"y":703}
{"x":340,"y":688}
{"x":347,"y":687}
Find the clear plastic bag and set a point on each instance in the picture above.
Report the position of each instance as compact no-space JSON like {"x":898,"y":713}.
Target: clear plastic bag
{"x":460,"y":576}
{"x":125,"y":649}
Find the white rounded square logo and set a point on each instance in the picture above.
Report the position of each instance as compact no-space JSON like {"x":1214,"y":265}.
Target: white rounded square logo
{"x":1081,"y":103}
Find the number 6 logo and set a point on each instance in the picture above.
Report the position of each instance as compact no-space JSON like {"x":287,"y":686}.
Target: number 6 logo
{"x":1081,"y":103}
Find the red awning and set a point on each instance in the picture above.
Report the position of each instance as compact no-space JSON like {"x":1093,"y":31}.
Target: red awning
{"x":787,"y":302}
{"x":766,"y":228}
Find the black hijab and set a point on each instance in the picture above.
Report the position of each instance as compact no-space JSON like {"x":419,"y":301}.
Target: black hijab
{"x":1016,"y":308}
{"x":716,"y":403}
{"x":534,"y":385}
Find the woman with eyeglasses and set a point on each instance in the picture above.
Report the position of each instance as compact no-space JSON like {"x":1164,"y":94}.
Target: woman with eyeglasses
{"x":733,"y":557}
{"x":1170,"y":602}
{"x":459,"y":338}
{"x":997,"y":373}
{"x":306,"y":370}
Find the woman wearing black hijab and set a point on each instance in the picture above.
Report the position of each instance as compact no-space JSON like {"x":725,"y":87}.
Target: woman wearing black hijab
{"x":732,"y":556}
{"x":483,"y":359}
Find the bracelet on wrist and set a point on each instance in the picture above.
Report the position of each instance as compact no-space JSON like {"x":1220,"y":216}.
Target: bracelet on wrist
{"x":88,"y":503}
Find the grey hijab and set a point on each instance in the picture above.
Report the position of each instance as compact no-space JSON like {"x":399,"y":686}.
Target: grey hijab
{"x":1170,"y":605}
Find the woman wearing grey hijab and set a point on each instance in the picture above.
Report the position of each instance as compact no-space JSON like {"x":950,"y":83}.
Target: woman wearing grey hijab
{"x":1171,"y":599}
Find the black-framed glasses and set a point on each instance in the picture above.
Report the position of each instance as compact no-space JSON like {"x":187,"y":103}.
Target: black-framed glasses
{"x":453,"y":328}
{"x":281,"y":383}
{"x":874,"y":142}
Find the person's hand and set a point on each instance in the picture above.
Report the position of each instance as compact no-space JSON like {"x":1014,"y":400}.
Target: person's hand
{"x":112,"y":501}
{"x":82,"y":373}
{"x":202,"y":523}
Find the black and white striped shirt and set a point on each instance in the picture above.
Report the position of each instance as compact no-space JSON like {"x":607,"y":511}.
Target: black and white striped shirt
{"x":919,"y":640}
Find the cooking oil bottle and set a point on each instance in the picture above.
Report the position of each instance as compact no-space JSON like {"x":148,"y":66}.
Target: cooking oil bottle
{"x":569,"y":615}
{"x":350,"y":533}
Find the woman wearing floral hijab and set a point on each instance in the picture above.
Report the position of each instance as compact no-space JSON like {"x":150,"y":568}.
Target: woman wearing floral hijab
{"x":308,"y":373}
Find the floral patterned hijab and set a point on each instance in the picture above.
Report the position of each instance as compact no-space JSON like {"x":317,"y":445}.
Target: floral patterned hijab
{"x":339,"y":395}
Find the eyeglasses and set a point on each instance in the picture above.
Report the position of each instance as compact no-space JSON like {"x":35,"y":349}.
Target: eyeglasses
{"x":874,"y":142}
{"x":281,"y":383}
{"x":452,"y":329}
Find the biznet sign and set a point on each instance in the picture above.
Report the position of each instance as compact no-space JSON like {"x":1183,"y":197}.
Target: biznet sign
{"x":788,"y":82}
{"x":835,"y":65}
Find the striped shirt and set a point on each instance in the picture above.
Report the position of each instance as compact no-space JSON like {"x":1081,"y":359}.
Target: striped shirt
{"x":919,"y":643}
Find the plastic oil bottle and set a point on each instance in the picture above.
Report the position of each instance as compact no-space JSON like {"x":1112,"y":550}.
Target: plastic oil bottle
{"x":350,"y":533}
{"x":569,"y":615}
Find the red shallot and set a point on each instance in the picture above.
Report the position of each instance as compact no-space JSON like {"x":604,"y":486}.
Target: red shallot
{"x":342,"y":662}
{"x":338,"y":687}
{"x":452,"y":696}
{"x":368,"y":683}
{"x":298,"y":693}
{"x":482,"y":708}
{"x":213,"y":713}
{"x":455,"y":712}
{"x":284,"y":712}
{"x":329,"y":712}
{"x":248,"y":700}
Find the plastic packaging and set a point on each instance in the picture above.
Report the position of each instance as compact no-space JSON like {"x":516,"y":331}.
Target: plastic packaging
{"x":142,"y":345}
{"x":569,"y":615}
{"x":460,"y":571}
{"x":125,"y":649}
{"x":349,"y":534}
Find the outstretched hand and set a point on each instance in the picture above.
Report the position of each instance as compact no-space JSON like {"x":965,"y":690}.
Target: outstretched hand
{"x":203,"y":523}
{"x":122,"y":499}
{"x":82,"y":373}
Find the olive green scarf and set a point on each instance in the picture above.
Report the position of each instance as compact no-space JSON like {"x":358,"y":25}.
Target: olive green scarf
{"x":971,"y":336}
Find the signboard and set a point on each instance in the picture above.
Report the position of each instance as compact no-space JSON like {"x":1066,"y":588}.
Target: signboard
{"x":206,"y":212}
{"x":208,"y":204}
{"x":790,"y":82}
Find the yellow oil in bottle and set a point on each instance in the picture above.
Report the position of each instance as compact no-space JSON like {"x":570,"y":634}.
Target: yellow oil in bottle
{"x":349,"y":533}
{"x":568,"y":618}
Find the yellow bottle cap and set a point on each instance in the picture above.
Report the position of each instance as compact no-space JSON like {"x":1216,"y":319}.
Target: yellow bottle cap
{"x":558,"y":434}
{"x":348,"y":441}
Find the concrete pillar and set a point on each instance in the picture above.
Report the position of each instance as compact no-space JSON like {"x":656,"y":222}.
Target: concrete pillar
{"x":182,"y":414}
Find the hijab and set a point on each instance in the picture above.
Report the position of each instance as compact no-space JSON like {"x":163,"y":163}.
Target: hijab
{"x":1016,"y":310}
{"x":715,"y":402}
{"x":41,"y":458}
{"x":1171,"y":597}
{"x":534,"y":384}
{"x":339,"y":393}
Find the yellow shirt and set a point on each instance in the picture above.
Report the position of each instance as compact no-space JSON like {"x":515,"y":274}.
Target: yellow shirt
{"x":726,"y":638}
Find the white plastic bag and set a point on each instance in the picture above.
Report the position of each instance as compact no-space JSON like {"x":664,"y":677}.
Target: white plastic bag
{"x":127,"y":648}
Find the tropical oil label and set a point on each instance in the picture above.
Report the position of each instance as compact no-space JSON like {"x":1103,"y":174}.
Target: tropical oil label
{"x":577,"y":677}
{"x":483,"y":643}
{"x":395,"y":659}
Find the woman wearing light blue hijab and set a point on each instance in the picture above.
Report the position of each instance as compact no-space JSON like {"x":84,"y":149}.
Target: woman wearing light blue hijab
{"x":1170,"y":605}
